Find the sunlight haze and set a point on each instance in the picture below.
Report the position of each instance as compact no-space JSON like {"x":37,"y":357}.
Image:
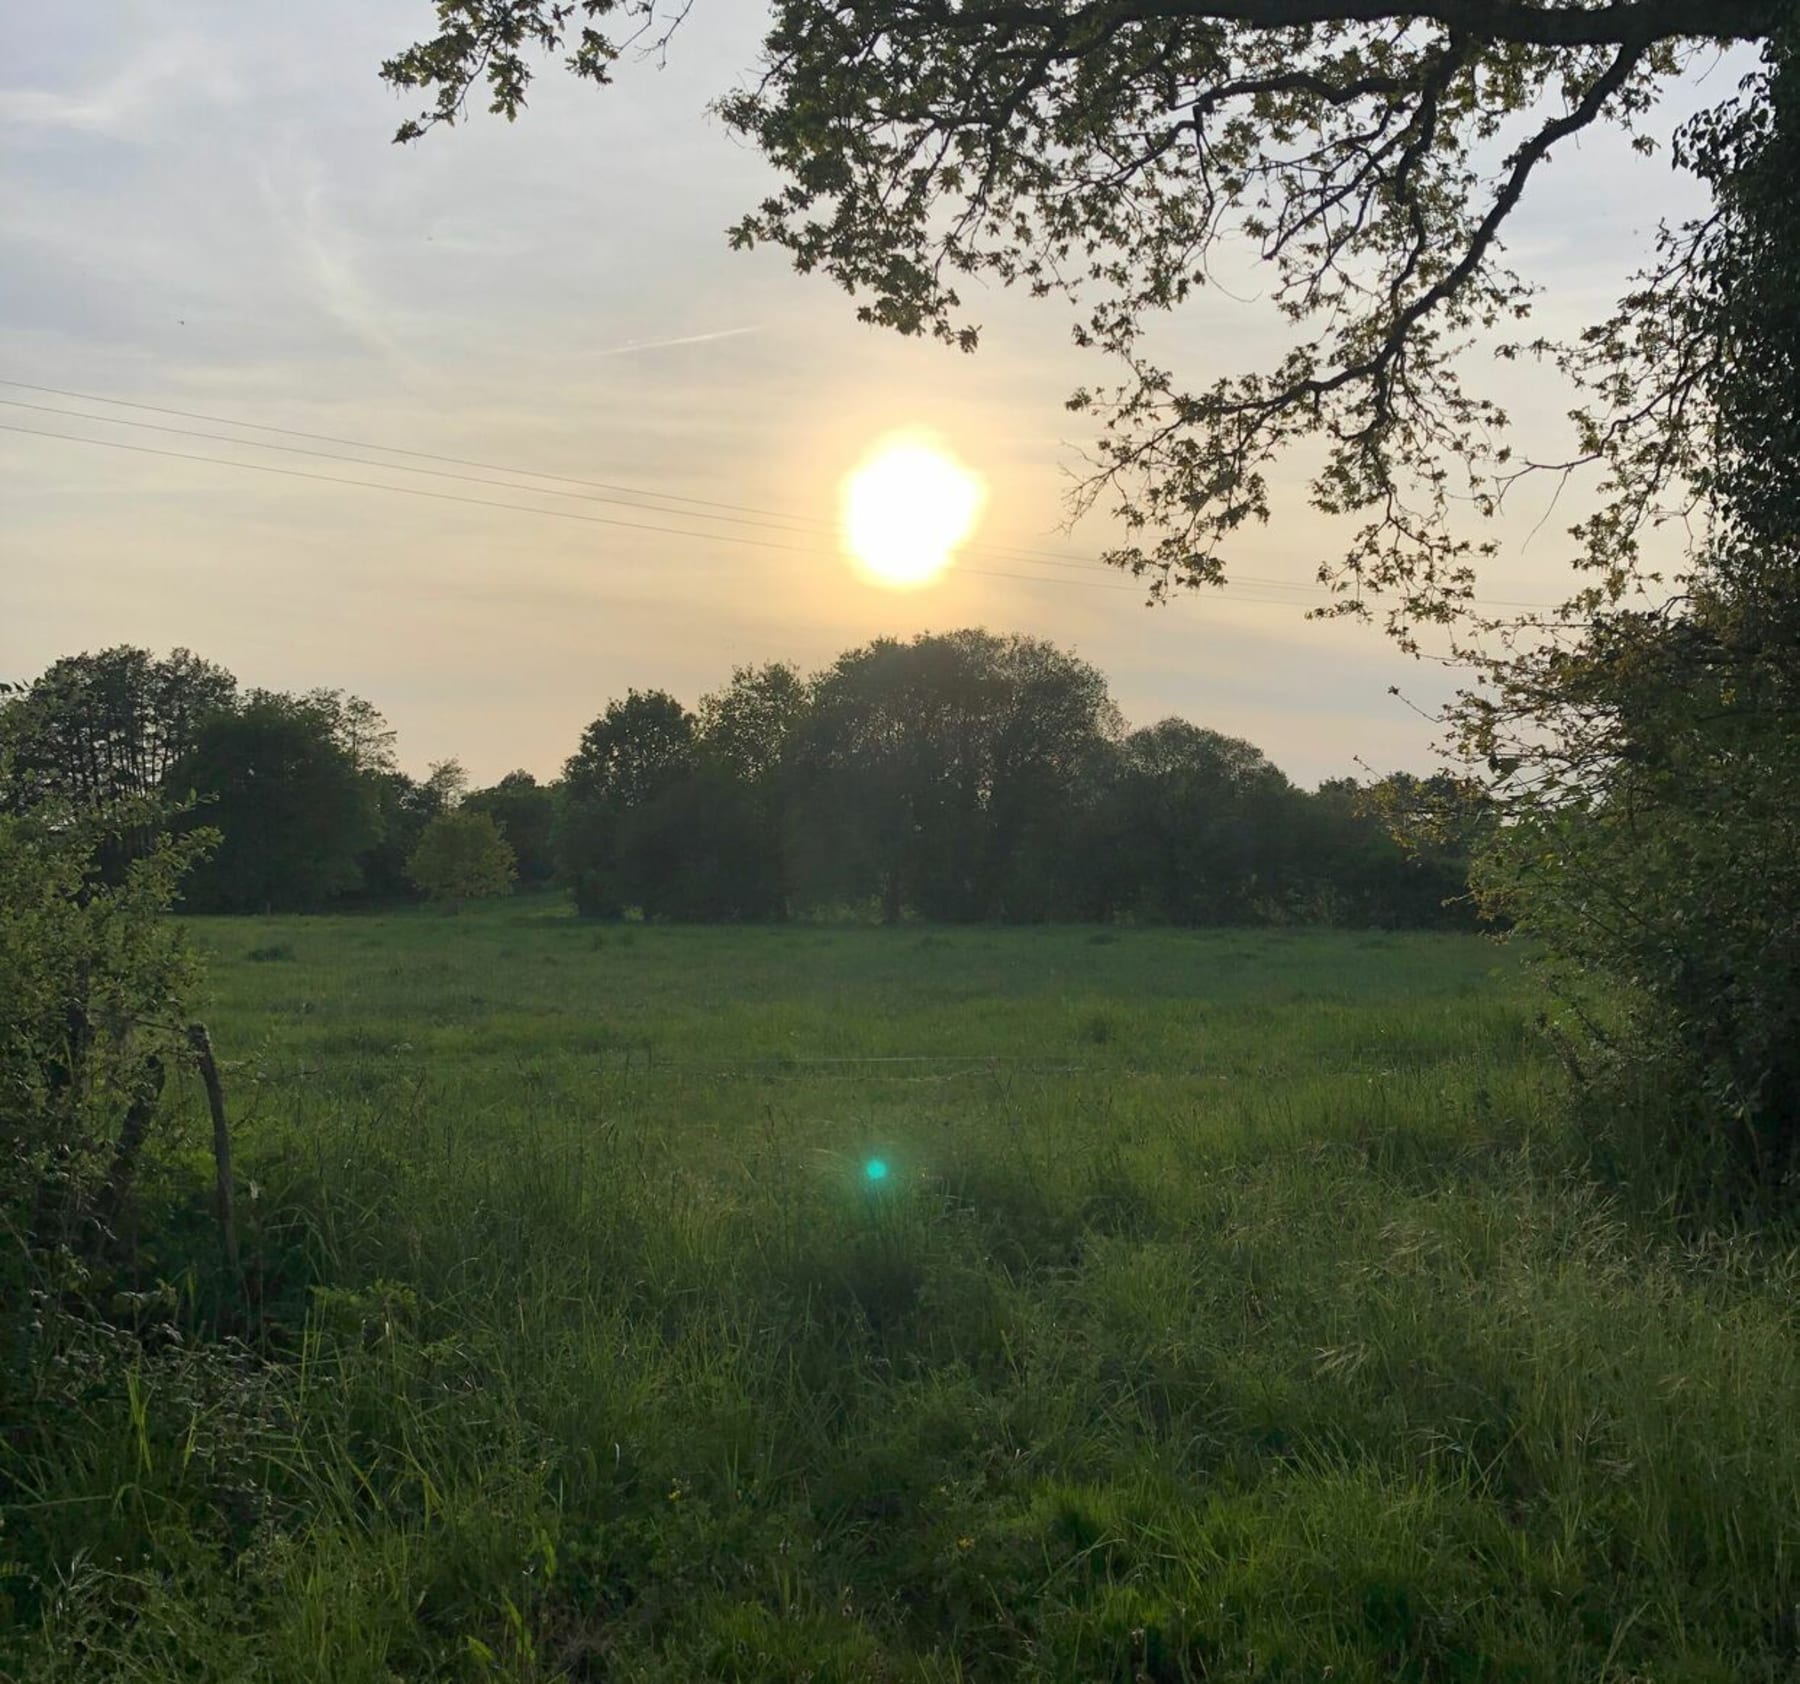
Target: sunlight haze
{"x":907,"y":508}
{"x":203,"y":211}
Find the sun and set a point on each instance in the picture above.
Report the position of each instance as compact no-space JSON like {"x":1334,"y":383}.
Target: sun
{"x":906,"y":507}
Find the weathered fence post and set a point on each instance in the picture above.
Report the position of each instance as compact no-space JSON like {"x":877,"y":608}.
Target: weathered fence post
{"x":201,"y":1042}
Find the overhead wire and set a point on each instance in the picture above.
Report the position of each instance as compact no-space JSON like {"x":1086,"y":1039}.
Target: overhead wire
{"x":511,"y":508}
{"x":388,"y":467}
{"x":604,"y":491}
{"x":363,"y":444}
{"x":601,"y":491}
{"x":470,"y":479}
{"x":735,"y":512}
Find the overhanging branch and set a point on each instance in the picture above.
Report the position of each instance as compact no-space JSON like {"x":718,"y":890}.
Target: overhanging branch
{"x":1623,"y":23}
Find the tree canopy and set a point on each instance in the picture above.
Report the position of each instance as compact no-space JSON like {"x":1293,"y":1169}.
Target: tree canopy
{"x":291,"y":809}
{"x":461,"y":856}
{"x":95,"y":729}
{"x":525,"y":812}
{"x":1369,"y":152}
{"x":958,"y":776}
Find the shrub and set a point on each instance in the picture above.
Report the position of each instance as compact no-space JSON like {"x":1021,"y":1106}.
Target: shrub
{"x":94,"y":984}
{"x":462,"y":856}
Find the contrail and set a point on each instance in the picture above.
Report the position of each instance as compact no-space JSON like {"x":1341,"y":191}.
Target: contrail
{"x":664,"y":344}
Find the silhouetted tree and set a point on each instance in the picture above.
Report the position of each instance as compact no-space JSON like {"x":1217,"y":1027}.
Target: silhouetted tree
{"x":1649,"y":771}
{"x":630,"y":755}
{"x":1356,"y":870}
{"x":958,"y":776}
{"x":293,"y":812}
{"x":1369,"y":152}
{"x":404,"y":806}
{"x":700,"y":850}
{"x":96,"y":982}
{"x":1198,"y":828}
{"x":927,"y":767}
{"x":1371,"y":155}
{"x":358,"y":728}
{"x":746,"y":727}
{"x":99,"y":729}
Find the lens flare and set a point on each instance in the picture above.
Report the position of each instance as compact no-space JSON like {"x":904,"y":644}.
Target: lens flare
{"x":875,"y":1170}
{"x":906,"y":508}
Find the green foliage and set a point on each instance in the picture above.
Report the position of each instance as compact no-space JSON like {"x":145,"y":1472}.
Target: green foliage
{"x":1644,"y":760}
{"x":629,"y":756}
{"x":1194,"y":828}
{"x":357,"y":727}
{"x":462,"y":856}
{"x":963,"y":776}
{"x":97,"y":730}
{"x":1269,"y":1334}
{"x":304,"y":787}
{"x":96,"y":985}
{"x":525,"y":812}
{"x":1650,"y":770}
{"x":94,"y":982}
{"x":746,"y":727}
{"x":404,"y":806}
{"x":925,"y":769}
{"x":747,"y":732}
{"x":702,"y":850}
{"x":1668,"y":882}
{"x":1440,"y":822}
{"x":634,"y":751}
{"x":586,"y":839}
{"x":1369,"y":155}
{"x":292,"y":808}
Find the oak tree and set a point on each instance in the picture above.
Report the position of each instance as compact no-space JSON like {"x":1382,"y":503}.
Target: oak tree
{"x":1369,"y":151}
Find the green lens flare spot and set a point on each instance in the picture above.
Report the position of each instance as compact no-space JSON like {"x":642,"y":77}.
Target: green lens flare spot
{"x":875,"y":1170}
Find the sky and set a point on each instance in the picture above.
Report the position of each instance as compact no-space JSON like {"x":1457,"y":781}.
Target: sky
{"x":201,"y":210}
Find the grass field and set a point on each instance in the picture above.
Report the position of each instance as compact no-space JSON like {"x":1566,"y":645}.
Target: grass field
{"x":1232,"y":1308}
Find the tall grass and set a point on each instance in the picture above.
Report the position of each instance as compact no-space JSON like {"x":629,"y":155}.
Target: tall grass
{"x":1232,"y":1310}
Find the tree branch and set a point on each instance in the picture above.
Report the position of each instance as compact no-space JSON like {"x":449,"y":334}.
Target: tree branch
{"x":1622,"y":23}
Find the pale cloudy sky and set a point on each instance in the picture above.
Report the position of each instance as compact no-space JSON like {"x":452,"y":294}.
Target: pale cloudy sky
{"x":199,"y":209}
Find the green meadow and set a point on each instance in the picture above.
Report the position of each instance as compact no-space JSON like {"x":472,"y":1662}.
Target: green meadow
{"x":1234,"y":1306}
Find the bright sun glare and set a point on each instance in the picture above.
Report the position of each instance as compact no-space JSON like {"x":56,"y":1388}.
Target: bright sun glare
{"x":905,"y":509}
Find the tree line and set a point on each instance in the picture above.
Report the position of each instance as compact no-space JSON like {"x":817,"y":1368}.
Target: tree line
{"x":959,"y":777}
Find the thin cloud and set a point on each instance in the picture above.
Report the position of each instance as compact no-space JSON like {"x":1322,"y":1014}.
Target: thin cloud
{"x":171,"y":70}
{"x":328,"y":268}
{"x":664,"y":344}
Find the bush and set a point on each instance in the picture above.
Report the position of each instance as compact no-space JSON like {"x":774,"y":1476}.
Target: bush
{"x":94,"y":989}
{"x":462,"y":856}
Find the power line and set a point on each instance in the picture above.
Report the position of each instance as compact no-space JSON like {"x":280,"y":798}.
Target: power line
{"x":390,"y":449}
{"x":563,"y":514}
{"x":603,"y":491}
{"x":628,"y":496}
{"x":746,"y":519}
{"x":510,"y":508}
{"x":386,"y":467}
{"x":792,"y":520}
{"x":470,"y":479}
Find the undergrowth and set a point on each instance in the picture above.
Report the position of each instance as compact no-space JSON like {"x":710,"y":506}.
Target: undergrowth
{"x":1272,"y":1333}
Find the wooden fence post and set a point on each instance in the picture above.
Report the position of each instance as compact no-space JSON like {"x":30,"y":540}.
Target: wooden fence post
{"x":201,"y":1042}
